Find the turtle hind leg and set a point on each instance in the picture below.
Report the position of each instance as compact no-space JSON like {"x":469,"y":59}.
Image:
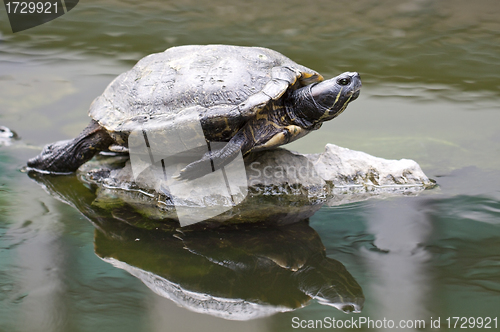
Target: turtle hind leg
{"x":67,"y":156}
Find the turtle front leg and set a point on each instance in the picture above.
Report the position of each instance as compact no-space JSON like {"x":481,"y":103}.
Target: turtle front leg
{"x":255,"y":135}
{"x":216,"y":159}
{"x":67,"y":156}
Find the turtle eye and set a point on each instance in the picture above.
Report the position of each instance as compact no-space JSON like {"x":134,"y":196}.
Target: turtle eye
{"x":343,"y":81}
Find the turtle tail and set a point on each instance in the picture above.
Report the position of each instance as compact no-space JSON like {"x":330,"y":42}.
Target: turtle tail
{"x":67,"y":156}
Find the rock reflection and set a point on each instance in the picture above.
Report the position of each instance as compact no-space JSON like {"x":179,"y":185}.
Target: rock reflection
{"x":240,"y":272}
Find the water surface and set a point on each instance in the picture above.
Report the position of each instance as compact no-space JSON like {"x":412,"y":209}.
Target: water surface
{"x":431,"y":75}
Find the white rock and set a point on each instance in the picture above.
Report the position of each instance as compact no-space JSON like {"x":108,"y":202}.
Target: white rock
{"x":340,"y":175}
{"x":336,"y":176}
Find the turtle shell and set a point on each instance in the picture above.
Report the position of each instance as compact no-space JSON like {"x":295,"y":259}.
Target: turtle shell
{"x":212,"y":81}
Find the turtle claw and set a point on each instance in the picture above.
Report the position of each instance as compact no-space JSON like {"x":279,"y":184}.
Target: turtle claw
{"x":183,"y":178}
{"x":209,"y":163}
{"x":180,"y":178}
{"x":191,"y":172}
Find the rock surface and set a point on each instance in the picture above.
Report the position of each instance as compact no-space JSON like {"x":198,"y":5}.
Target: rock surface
{"x":283,"y":186}
{"x":7,"y":136}
{"x":337,"y":173}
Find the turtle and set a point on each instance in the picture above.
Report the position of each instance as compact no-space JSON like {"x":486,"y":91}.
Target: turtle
{"x":251,"y":98}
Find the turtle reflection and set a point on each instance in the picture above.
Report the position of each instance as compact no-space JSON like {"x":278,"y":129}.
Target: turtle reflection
{"x":236,"y":272}
{"x":233,"y":273}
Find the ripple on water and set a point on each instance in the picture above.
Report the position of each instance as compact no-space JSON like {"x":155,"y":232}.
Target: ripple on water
{"x":464,"y":242}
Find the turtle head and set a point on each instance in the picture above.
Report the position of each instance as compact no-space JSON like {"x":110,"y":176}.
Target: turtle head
{"x":323,"y":101}
{"x":332,"y":96}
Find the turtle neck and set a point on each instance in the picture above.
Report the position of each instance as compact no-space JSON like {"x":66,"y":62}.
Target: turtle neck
{"x":301,"y":109}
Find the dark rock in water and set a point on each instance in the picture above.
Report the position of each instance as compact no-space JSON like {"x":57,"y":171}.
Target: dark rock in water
{"x":283,"y":186}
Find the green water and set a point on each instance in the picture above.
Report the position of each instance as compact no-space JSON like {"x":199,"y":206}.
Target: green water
{"x":431,"y":92}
